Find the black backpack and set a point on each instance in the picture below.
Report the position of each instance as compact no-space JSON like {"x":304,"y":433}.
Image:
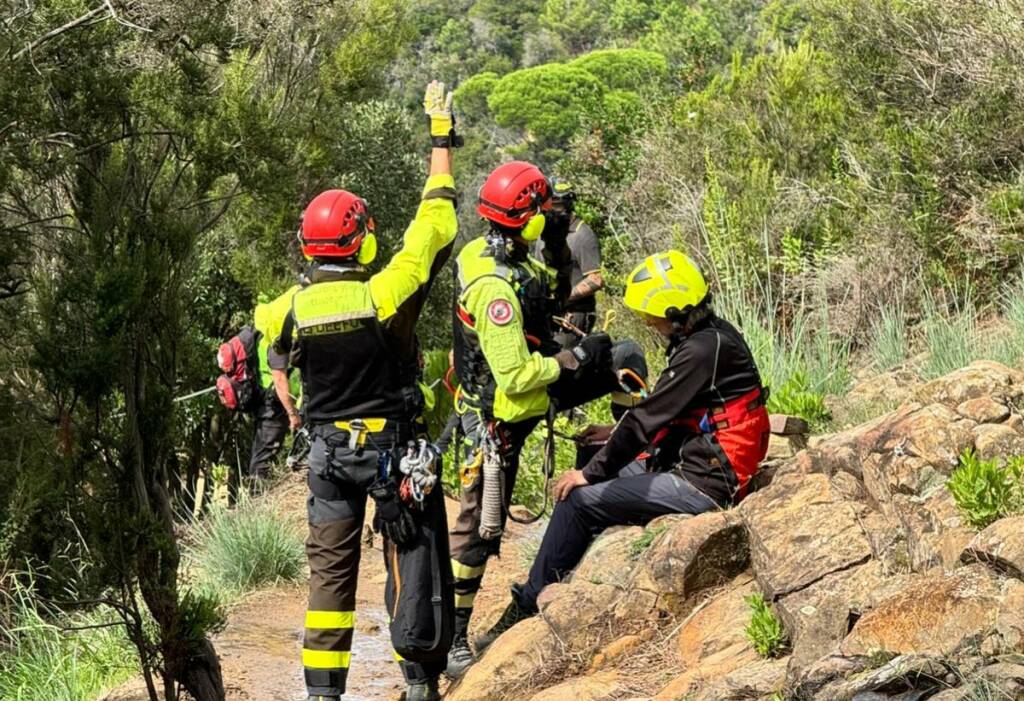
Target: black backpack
{"x":238,"y":387}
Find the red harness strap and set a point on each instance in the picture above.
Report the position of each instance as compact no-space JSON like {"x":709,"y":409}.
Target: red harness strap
{"x":740,"y":427}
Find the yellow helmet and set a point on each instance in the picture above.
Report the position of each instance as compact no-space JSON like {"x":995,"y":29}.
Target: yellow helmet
{"x":663,"y":283}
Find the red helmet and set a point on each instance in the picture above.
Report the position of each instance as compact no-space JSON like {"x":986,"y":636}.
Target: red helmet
{"x":334,"y":225}
{"x":513,"y":193}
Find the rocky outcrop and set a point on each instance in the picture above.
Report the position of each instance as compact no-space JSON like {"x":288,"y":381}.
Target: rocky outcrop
{"x":508,"y":664}
{"x":692,"y":555}
{"x":881,"y":586}
{"x":1001,"y":546}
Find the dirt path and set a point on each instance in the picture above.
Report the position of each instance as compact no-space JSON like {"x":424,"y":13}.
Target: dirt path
{"x":260,"y":648}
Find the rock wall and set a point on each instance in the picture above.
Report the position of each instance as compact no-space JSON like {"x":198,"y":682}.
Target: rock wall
{"x":858,"y":547}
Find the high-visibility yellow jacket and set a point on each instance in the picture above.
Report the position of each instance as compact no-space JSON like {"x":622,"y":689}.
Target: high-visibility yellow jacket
{"x":503,"y":308}
{"x":355,"y":332}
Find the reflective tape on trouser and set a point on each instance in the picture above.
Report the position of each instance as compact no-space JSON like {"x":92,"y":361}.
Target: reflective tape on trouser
{"x":465,"y":601}
{"x":325,"y":659}
{"x":461,"y":571}
{"x":322,"y":620}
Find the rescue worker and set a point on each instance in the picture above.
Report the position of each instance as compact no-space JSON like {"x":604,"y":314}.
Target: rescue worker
{"x":271,"y":418}
{"x":352,"y":336}
{"x":691,"y":446}
{"x":505,"y":359}
{"x":585,"y":278}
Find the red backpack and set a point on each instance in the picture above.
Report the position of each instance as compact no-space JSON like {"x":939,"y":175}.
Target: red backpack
{"x":238,"y":359}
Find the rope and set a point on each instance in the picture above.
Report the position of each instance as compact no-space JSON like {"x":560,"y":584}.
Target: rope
{"x":548,"y":467}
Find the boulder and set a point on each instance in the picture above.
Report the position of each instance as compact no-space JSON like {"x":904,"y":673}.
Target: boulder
{"x":759,"y":680}
{"x":904,"y":678}
{"x":984,"y":410}
{"x":933,"y":528}
{"x":801,"y":530}
{"x":577,"y":611}
{"x":692,"y":555}
{"x":616,"y":649}
{"x":818,"y":617}
{"x":887,"y":454}
{"x":937,"y":614}
{"x":508,"y":663}
{"x":887,"y":388}
{"x":713,"y":641}
{"x":982,"y":378}
{"x":998,"y":441}
{"x":718,"y":626}
{"x":609,"y":560}
{"x":1000,"y":546}
{"x":593,"y":687}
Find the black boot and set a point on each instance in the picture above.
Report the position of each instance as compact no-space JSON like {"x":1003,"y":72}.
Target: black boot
{"x":426,"y":691}
{"x":460,"y":657}
{"x":515,"y":612}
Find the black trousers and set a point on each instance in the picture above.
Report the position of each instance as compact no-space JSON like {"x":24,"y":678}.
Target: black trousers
{"x":635,"y":497}
{"x":271,"y":427}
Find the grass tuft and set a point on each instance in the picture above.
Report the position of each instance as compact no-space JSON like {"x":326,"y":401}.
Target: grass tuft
{"x":245,"y":548}
{"x":48,"y":655}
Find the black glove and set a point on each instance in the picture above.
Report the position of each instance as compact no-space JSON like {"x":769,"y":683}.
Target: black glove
{"x":594,"y":350}
{"x":392,"y":519}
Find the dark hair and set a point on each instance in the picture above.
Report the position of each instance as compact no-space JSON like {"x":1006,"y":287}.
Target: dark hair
{"x":684,"y":321}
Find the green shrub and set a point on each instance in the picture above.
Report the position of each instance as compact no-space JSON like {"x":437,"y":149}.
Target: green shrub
{"x":245,"y":548}
{"x":624,"y":69}
{"x":764,"y":630}
{"x":987,"y":490}
{"x":796,"y":398}
{"x":47,"y":655}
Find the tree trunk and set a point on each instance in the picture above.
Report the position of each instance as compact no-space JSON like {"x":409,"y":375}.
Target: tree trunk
{"x":191,"y":663}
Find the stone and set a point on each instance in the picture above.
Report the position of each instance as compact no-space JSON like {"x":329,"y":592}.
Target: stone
{"x":692,"y":555}
{"x":614,"y":650}
{"x":784,"y":447}
{"x":984,"y":410}
{"x":508,"y":663}
{"x":800,"y":531}
{"x":718,"y":625}
{"x":573,"y":610}
{"x":783,"y":425}
{"x":937,"y":614}
{"x":934,"y":529}
{"x":593,"y":687}
{"x":713,"y":641}
{"x":609,"y":559}
{"x":887,"y":388}
{"x":997,"y":441}
{"x":1001,"y":546}
{"x":889,"y":453}
{"x":818,"y":617}
{"x":923,"y":675}
{"x":761,"y":679}
{"x":982,"y":378}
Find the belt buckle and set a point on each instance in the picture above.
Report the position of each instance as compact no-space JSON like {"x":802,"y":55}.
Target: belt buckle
{"x":356,"y":433}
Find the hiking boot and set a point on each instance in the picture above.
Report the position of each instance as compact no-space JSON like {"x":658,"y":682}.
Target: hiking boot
{"x":515,"y":612}
{"x":426,"y":691}
{"x":460,"y":657}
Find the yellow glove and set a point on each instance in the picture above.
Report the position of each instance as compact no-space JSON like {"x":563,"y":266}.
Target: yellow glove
{"x":438,"y":107}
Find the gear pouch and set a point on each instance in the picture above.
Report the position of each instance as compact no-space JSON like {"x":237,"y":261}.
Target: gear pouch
{"x":337,"y":462}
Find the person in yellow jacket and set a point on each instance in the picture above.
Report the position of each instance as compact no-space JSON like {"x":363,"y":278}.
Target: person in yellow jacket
{"x":352,"y":336}
{"x":270,"y":417}
{"x":506,"y":360}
